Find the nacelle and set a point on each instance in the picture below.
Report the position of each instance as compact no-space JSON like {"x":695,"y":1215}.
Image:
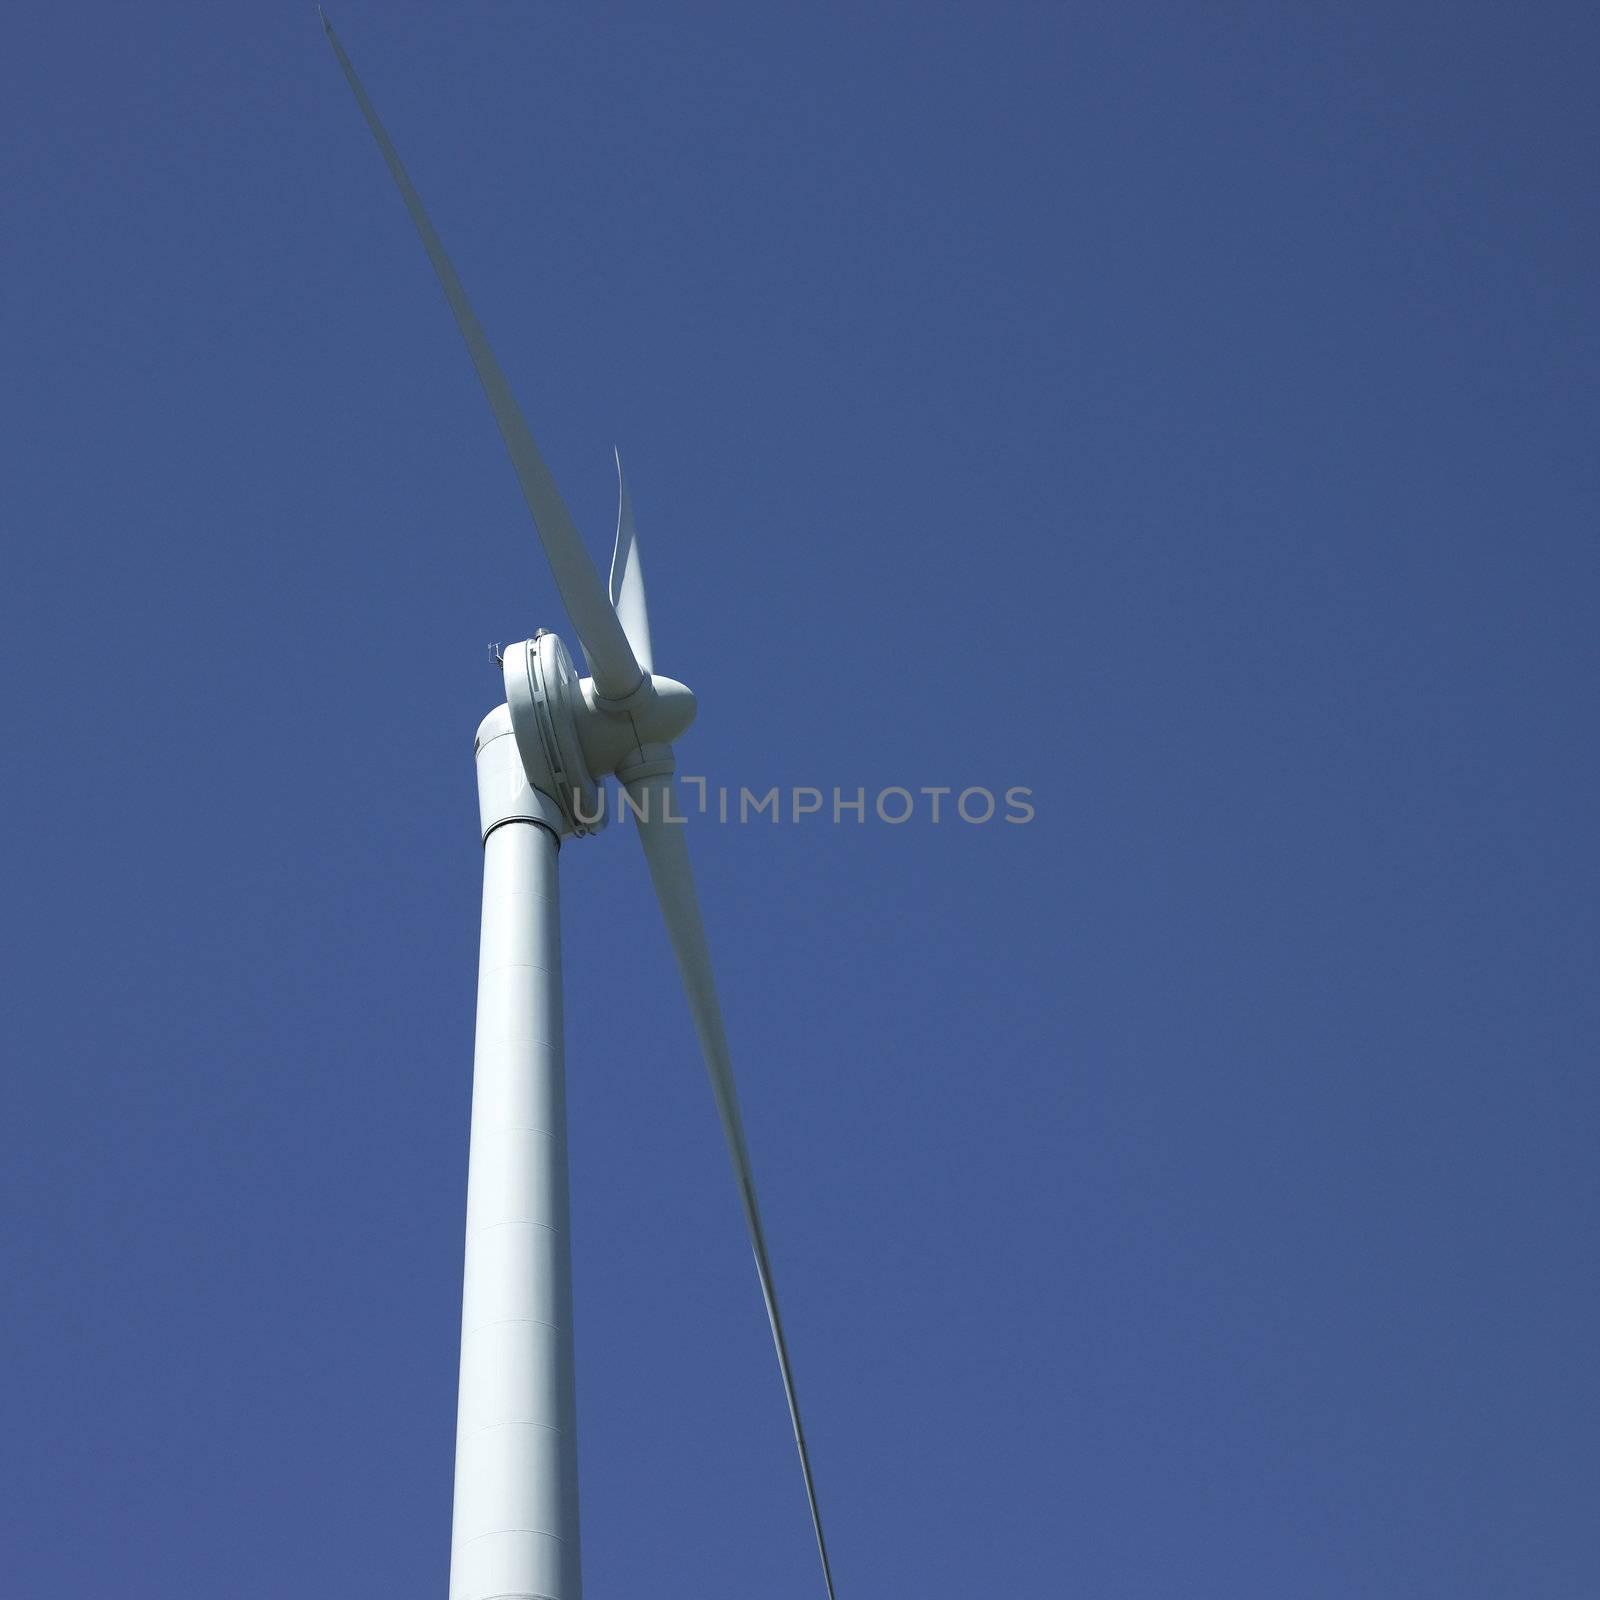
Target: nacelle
{"x":570,"y":740}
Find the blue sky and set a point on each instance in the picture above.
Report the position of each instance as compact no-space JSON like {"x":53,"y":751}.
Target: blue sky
{"x":1187,"y":413}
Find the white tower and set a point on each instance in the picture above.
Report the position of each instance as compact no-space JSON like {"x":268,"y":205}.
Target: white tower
{"x":515,"y":1527}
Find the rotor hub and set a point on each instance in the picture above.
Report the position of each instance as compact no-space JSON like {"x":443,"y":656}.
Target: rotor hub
{"x":571,"y":739}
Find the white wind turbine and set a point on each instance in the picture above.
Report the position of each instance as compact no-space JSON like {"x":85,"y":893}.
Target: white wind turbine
{"x":542,"y":759}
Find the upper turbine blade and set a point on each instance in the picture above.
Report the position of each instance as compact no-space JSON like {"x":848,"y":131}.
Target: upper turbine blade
{"x":616,"y":672}
{"x":667,"y":852}
{"x":627,"y":578}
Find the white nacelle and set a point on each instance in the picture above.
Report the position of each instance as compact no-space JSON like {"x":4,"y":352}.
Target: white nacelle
{"x":570,"y":739}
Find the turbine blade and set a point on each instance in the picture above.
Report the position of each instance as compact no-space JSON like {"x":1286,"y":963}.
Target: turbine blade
{"x":667,"y":853}
{"x":616,"y":672}
{"x":627,"y":577}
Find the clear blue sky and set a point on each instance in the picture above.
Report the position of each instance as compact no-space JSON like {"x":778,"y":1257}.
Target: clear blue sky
{"x":1185,"y":411}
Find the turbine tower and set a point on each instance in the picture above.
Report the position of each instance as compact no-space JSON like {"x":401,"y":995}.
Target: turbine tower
{"x":542,"y":761}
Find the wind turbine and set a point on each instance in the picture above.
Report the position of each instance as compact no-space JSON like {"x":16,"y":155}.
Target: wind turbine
{"x":542,"y":760}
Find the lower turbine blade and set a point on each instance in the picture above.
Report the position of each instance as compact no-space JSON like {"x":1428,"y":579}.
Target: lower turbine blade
{"x":667,"y":852}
